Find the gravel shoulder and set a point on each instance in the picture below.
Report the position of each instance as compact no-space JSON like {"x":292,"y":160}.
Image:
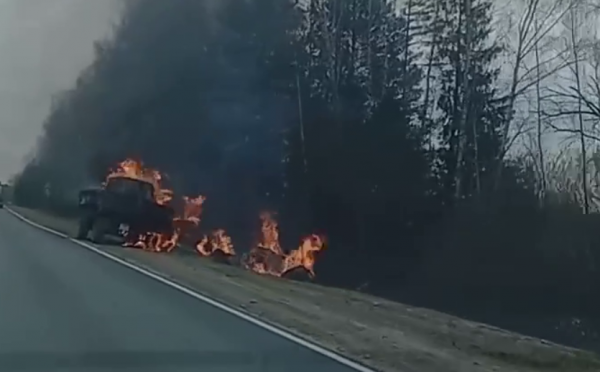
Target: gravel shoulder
{"x":386,"y":335}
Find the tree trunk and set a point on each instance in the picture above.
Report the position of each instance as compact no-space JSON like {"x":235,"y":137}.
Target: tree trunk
{"x":301,"y":118}
{"x":462,"y":125}
{"x":539,"y":122}
{"x":434,"y":39}
{"x":586,"y":202}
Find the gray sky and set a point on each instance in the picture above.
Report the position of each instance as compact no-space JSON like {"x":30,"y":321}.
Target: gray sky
{"x":44,"y":44}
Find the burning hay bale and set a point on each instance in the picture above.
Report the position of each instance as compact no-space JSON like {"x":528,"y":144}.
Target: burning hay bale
{"x":269,"y":258}
{"x":221,"y":249}
{"x":264,"y":261}
{"x":218,"y":246}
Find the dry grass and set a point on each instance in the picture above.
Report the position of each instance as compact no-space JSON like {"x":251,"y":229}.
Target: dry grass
{"x":383,"y":334}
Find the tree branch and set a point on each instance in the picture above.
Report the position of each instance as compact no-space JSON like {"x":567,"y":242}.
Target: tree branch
{"x":574,"y":131}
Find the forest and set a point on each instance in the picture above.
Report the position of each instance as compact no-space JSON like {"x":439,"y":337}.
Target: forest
{"x":447,"y":149}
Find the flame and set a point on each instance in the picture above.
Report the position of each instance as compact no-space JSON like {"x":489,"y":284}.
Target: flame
{"x":267,"y":257}
{"x":133,"y":169}
{"x":218,"y":241}
{"x":270,"y":233}
{"x":192,"y":209}
{"x":190,"y":217}
{"x":161,"y":242}
{"x":155,"y":242}
{"x":203,"y":247}
{"x":304,"y":255}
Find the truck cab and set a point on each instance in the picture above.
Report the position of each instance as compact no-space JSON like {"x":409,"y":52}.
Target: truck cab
{"x":122,"y":202}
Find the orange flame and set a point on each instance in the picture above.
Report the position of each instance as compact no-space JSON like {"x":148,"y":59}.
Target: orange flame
{"x":192,"y":209}
{"x":268,"y":257}
{"x":155,"y":242}
{"x":270,"y":233}
{"x":304,"y":255}
{"x":218,"y":241}
{"x":160,"y":242}
{"x":133,"y":169}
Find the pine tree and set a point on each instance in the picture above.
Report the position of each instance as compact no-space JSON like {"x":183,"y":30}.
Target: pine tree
{"x":472,"y":115}
{"x":366,"y":166}
{"x":253,"y":102}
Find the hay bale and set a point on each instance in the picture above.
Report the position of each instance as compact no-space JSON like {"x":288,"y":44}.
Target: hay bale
{"x":299,"y":274}
{"x":267,"y":258}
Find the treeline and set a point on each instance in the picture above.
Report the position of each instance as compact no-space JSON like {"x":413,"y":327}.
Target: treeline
{"x":382,"y":125}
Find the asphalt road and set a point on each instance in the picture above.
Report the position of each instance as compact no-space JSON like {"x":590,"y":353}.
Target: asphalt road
{"x":64,"y":308}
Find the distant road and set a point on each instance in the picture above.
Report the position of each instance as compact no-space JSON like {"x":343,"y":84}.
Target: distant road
{"x":64,"y":308}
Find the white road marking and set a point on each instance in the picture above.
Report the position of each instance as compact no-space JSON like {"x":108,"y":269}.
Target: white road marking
{"x":54,"y":232}
{"x":262,"y":324}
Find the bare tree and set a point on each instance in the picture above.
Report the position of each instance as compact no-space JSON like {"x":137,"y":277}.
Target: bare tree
{"x":574,"y":41}
{"x":540,"y":148}
{"x":593,"y":102}
{"x":462,"y":129}
{"x":430,"y":34}
{"x":579,"y":99}
{"x":537,"y":20}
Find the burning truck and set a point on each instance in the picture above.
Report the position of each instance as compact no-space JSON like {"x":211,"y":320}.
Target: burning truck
{"x":133,"y":204}
{"x":122,"y":206}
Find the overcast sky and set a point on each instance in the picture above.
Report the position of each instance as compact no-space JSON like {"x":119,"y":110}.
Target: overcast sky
{"x":44,"y":44}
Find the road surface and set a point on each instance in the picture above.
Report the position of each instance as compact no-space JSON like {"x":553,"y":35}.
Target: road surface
{"x":64,"y":308}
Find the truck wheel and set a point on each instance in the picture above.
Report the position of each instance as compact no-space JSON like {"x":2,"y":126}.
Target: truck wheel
{"x":99,"y":230}
{"x":85,"y":223}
